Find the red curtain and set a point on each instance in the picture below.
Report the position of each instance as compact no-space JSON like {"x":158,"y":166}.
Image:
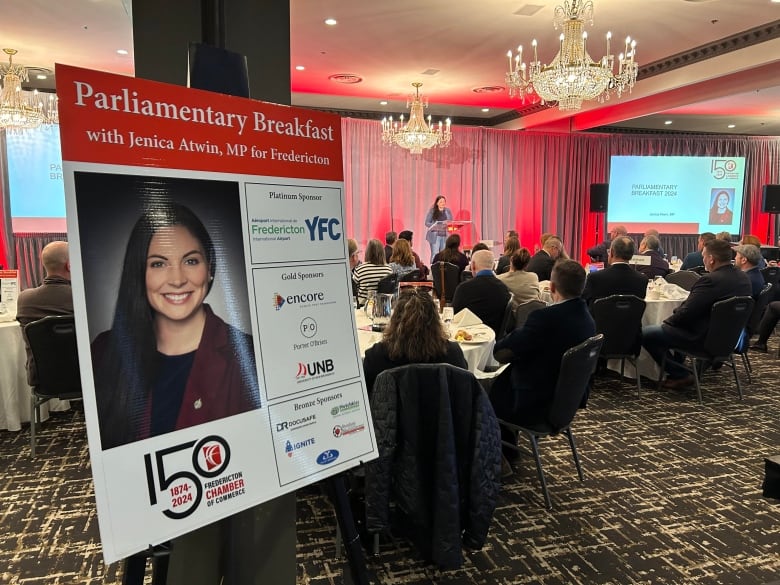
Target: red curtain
{"x":528,"y":181}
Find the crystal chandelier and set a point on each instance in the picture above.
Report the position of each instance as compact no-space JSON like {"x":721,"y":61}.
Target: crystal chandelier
{"x":416,"y":135}
{"x":573,"y":77}
{"x":21,"y":109}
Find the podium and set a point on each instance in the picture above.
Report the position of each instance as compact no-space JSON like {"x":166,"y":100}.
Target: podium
{"x":454,"y":226}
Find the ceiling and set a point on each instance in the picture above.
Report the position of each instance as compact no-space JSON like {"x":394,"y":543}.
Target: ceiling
{"x":704,"y":64}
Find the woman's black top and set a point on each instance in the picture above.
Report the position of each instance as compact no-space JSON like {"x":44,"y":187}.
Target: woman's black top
{"x":168,"y":391}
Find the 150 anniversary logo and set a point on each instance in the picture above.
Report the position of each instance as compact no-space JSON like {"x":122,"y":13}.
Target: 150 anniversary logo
{"x":183,"y":489}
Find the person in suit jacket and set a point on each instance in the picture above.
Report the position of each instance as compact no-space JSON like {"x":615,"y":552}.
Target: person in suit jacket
{"x":695,"y":259}
{"x":619,"y":278}
{"x":747,"y":260}
{"x":484,"y":295}
{"x":651,"y":246}
{"x":600,"y":252}
{"x":687,"y":326}
{"x":542,"y":262}
{"x":390,"y":238}
{"x":535,"y":350}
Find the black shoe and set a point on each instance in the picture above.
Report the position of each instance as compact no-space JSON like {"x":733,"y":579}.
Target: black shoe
{"x":759,"y":347}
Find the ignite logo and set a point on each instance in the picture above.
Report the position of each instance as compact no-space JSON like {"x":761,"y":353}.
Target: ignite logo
{"x":290,"y":447}
{"x":278,"y":301}
{"x":212,"y":455}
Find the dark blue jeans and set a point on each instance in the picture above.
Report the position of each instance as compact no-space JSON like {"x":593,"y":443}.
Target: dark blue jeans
{"x":657,"y":342}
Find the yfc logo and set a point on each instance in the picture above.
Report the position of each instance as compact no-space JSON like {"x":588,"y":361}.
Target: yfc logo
{"x":278,"y":301}
{"x":314,"y":368}
{"x":722,"y":167}
{"x":290,"y":447}
{"x":319,"y":227}
{"x":327,"y":457}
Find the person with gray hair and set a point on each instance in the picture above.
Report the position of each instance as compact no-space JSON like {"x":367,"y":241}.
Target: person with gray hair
{"x":485,"y":295}
{"x":747,"y":260}
{"x":619,"y":278}
{"x":542,"y":262}
{"x":53,"y":297}
{"x":600,"y":252}
{"x":650,"y":246}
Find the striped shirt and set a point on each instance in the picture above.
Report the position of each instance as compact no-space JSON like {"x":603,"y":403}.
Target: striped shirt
{"x":367,"y":277}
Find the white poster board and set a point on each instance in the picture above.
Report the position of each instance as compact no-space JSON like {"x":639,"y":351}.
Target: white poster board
{"x":213,"y":303}
{"x":9,"y":293}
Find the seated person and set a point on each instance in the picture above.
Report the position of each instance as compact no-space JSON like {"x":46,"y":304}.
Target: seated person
{"x":600,"y":252}
{"x":407,"y":235}
{"x":414,"y":335}
{"x":695,"y":259}
{"x":401,"y":260}
{"x":542,"y":262}
{"x":390,"y":238}
{"x":687,"y":327}
{"x":619,"y":278}
{"x":368,"y":274}
{"x":650,"y":246}
{"x":535,"y":349}
{"x":511,"y":245}
{"x":654,"y":232}
{"x":767,"y":326}
{"x":747,"y":259}
{"x":524,"y":285}
{"x":452,"y":253}
{"x":752,"y":240}
{"x":484,"y":295}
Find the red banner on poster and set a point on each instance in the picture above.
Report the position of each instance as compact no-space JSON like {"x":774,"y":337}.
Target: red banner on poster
{"x":136,"y":122}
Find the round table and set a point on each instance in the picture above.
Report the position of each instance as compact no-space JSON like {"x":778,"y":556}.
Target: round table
{"x":478,"y":352}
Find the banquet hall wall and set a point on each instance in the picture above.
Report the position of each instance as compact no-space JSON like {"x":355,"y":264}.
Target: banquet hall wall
{"x":529,"y":181}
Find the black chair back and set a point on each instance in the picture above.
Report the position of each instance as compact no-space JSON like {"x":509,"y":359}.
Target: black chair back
{"x":507,"y":323}
{"x":758,"y":309}
{"x":446,"y":278}
{"x":52,"y":342}
{"x":619,"y":318}
{"x":577,"y":366}
{"x":698,"y":270}
{"x":727,"y":320}
{"x":683,"y":278}
{"x":771,"y":274}
{"x":388,"y":285}
{"x":466,"y":275}
{"x":524,"y":309}
{"x":411,"y":276}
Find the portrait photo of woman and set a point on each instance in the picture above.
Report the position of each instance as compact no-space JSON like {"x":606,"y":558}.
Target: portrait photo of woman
{"x":168,"y":361}
{"x":721,"y":212}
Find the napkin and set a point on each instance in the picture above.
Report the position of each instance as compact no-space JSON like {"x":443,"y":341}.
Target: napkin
{"x":465,"y":318}
{"x":673,"y":292}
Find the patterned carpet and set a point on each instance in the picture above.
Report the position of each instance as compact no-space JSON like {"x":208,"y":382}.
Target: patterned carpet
{"x":672,"y":494}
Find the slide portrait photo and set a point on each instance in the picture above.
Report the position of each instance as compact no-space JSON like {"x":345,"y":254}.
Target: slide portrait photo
{"x":166,"y":301}
{"x":721,"y":207}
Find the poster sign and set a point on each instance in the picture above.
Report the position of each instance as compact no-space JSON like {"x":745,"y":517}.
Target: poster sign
{"x":211,"y":284}
{"x":9,"y":293}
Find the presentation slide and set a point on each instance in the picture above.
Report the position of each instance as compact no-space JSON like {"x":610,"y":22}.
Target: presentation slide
{"x":676,"y":194}
{"x":35,"y":179}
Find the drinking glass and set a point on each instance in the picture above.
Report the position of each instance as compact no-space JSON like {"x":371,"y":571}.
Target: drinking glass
{"x":382,"y":310}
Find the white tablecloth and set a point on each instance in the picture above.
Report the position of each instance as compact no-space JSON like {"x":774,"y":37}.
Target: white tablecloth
{"x":14,"y":390}
{"x":656,"y":311}
{"x":478,"y":354}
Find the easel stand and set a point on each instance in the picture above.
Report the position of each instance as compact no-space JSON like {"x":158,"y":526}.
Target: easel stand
{"x":351,"y":538}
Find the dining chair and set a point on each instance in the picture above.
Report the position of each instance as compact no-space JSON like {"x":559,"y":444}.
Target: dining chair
{"x":771,"y":274}
{"x":507,"y":323}
{"x":411,"y":276}
{"x":52,"y":341}
{"x":446,"y":278}
{"x":727,"y":320}
{"x":764,"y":297}
{"x":577,"y":366}
{"x":388,"y":285}
{"x":619,"y":318}
{"x":683,"y":278}
{"x":524,"y":309}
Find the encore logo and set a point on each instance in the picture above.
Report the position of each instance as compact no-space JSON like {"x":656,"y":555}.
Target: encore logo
{"x":297,"y":299}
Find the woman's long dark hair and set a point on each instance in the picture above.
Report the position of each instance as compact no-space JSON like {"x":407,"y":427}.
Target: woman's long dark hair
{"x":415,"y":332}
{"x":451,"y":252}
{"x":125,"y":377}
{"x":438,"y":215}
